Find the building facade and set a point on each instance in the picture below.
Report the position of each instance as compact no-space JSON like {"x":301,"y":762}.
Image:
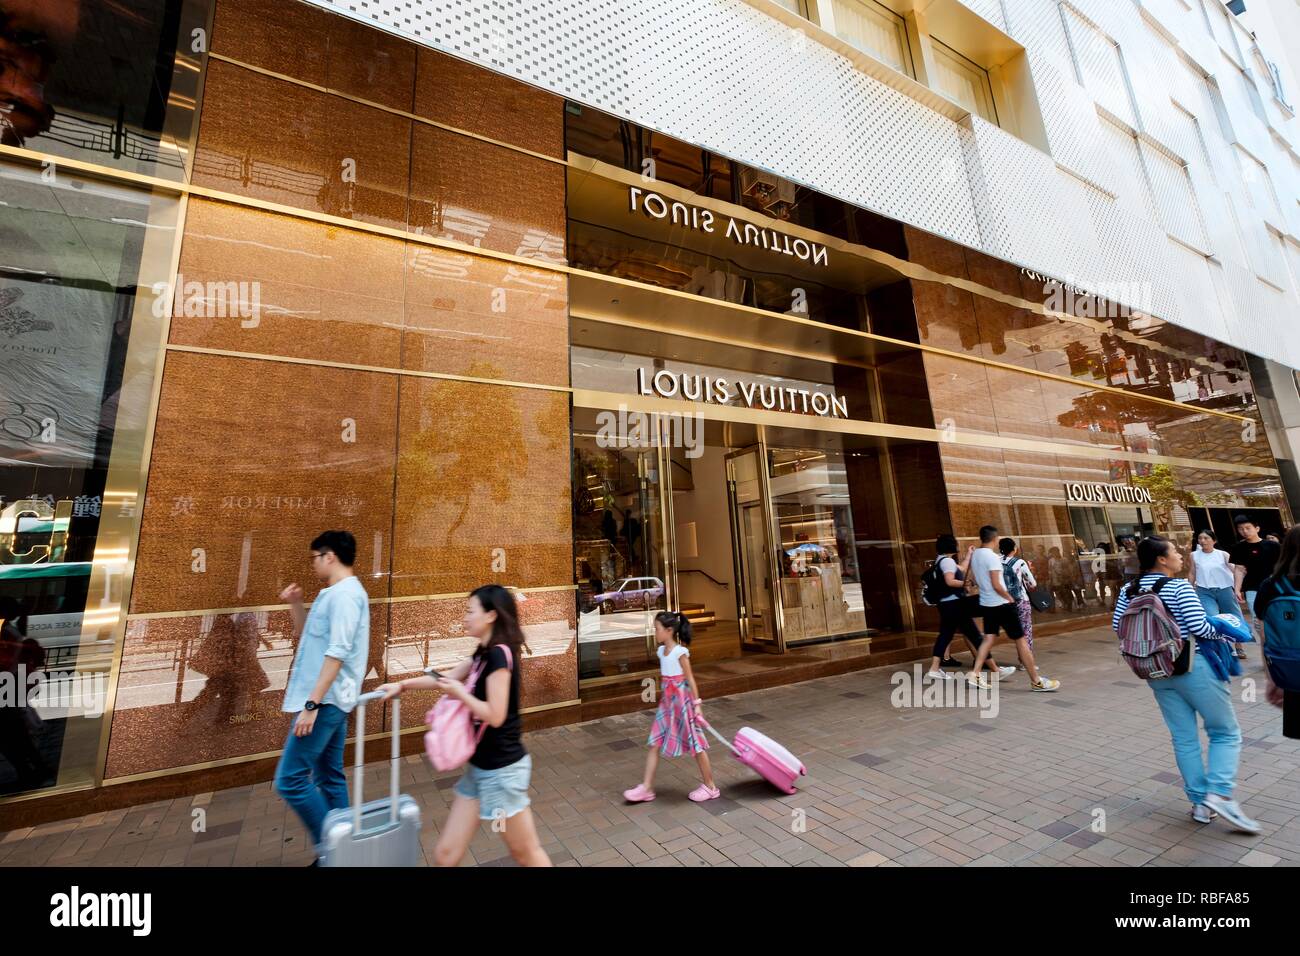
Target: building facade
{"x":727,"y":308}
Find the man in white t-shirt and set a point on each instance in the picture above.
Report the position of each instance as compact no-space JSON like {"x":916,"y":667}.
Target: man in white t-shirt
{"x":1000,"y":612}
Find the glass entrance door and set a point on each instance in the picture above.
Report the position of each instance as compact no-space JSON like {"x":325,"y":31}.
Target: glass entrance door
{"x":751,"y":535}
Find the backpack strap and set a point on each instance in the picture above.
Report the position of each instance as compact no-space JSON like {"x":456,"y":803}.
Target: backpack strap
{"x":1156,"y":588}
{"x":510,"y":659}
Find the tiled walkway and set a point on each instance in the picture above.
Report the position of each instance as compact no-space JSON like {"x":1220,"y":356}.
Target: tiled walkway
{"x":1084,"y":777}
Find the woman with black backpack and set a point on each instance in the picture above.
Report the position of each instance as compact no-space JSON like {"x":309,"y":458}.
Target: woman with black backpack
{"x":1283,"y":583}
{"x":942,"y":587}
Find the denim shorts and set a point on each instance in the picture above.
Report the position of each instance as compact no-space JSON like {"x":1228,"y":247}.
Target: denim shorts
{"x":500,"y":793}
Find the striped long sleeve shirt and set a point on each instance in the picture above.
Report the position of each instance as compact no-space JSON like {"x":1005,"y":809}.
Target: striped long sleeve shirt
{"x":1180,"y":597}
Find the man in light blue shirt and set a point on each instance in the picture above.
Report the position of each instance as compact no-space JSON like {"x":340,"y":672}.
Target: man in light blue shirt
{"x":328,"y":668}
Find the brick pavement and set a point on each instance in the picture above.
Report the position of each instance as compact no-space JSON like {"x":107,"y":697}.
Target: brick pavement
{"x":886,"y":787}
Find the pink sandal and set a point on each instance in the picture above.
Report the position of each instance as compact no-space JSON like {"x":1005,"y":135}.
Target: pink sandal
{"x":703,"y":792}
{"x":639,"y":794}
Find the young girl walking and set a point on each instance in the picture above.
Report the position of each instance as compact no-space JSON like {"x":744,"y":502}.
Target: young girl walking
{"x":677,"y":727}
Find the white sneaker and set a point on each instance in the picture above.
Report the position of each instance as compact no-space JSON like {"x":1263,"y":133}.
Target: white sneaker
{"x":1202,"y":814}
{"x":1231,"y":811}
{"x":977,"y":681}
{"x":1005,"y":672}
{"x":938,"y":675}
{"x":1045,"y":684}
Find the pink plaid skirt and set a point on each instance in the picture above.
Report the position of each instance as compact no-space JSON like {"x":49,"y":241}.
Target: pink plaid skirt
{"x":675,"y":731}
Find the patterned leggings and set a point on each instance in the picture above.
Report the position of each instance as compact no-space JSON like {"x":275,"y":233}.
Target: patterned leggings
{"x":1027,"y":619}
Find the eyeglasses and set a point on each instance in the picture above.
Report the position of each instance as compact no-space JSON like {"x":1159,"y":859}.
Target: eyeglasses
{"x":318,"y":554}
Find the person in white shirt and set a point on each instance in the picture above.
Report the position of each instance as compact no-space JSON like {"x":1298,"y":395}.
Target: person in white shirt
{"x":1000,"y":613}
{"x":1211,"y":574}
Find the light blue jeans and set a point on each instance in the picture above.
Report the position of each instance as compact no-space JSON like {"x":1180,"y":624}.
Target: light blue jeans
{"x":1219,"y":601}
{"x":1181,"y":699}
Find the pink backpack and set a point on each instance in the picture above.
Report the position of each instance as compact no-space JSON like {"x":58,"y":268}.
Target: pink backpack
{"x":451,"y":739}
{"x":1150,"y":640}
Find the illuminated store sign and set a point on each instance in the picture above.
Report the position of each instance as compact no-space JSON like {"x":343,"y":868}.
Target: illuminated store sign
{"x":719,"y":391}
{"x":1096,"y":493}
{"x":655,"y":206}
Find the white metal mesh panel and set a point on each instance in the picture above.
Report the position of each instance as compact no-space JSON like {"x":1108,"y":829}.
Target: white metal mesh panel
{"x":990,"y":10}
{"x":1070,"y":119}
{"x":1133,"y":191}
{"x":724,"y":75}
{"x":1198,"y":304}
{"x":1100,"y":67}
{"x":1036,"y":25}
{"x":1176,"y":202}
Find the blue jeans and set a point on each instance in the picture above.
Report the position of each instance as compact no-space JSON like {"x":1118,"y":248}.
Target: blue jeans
{"x":1181,"y":699}
{"x":1219,"y":601}
{"x":310,"y":775}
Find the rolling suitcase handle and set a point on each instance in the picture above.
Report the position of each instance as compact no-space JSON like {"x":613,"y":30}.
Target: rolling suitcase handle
{"x":725,"y":742}
{"x":359,"y":762}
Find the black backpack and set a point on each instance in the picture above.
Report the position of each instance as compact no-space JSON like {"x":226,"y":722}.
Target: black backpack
{"x":933,"y":586}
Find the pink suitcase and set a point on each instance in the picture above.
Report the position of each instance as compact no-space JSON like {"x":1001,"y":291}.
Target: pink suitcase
{"x":764,"y":755}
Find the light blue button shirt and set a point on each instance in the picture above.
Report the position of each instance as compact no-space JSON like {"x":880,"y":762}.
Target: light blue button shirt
{"x":337,"y":626}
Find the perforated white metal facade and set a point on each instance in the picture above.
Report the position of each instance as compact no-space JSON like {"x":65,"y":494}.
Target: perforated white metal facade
{"x":1168,"y":164}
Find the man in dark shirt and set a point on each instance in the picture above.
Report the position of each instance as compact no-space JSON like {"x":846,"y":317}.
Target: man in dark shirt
{"x":1253,"y":559}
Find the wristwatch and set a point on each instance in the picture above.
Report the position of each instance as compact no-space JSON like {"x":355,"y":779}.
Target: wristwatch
{"x":311,"y":705}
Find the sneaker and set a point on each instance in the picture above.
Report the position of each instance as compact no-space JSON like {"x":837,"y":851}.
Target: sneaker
{"x":1231,"y":811}
{"x":703,"y":792}
{"x":1005,"y":672}
{"x":1241,"y":654}
{"x":938,"y":675}
{"x":639,"y":794}
{"x":1202,"y":814}
{"x":951,"y":662}
{"x":977,"y":681}
{"x":1045,"y":684}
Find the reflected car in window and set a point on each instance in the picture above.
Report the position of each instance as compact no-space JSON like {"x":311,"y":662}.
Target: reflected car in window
{"x":631,"y":594}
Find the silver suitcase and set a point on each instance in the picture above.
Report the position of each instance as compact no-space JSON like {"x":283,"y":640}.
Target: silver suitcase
{"x":383,"y":832}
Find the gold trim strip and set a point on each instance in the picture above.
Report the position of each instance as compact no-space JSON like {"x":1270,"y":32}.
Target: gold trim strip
{"x":147,"y":332}
{"x":361,"y":101}
{"x":255,"y":608}
{"x":414,"y":373}
{"x":911,"y":270}
{"x":590,"y":398}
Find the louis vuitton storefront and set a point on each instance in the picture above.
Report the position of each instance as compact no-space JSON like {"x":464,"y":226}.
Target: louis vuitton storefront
{"x":501,"y":337}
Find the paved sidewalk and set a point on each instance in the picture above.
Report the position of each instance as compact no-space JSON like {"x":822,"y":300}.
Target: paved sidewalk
{"x":886,"y":786}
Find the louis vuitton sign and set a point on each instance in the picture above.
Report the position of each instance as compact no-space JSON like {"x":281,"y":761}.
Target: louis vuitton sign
{"x":1097,"y":493}
{"x":654,"y":206}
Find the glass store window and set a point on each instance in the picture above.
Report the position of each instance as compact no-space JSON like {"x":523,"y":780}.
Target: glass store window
{"x":109,"y":83}
{"x":74,"y":256}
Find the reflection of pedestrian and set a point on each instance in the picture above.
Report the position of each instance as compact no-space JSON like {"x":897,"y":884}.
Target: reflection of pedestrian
{"x":228,"y":658}
{"x":20,"y":657}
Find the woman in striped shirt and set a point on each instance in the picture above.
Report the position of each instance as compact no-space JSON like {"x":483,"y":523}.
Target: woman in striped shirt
{"x":1204,"y":690}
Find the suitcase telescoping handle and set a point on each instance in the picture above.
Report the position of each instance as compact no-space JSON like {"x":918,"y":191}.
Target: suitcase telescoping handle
{"x":725,"y":742}
{"x":360,"y":762}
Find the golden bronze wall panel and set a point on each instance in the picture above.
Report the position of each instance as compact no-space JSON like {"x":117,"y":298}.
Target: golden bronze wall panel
{"x":251,"y":460}
{"x":459,"y":94}
{"x":195,"y":690}
{"x":430,"y":633}
{"x":253,"y":281}
{"x":482,"y":487}
{"x":321,"y":153}
{"x":485,"y":195}
{"x":463,"y":312}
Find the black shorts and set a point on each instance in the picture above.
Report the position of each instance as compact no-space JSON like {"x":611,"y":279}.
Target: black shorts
{"x":1004,"y":617}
